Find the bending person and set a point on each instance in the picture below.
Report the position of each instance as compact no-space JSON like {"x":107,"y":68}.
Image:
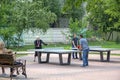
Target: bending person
{"x":85,"y":50}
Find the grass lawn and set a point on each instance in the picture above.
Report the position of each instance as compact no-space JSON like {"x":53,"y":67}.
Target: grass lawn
{"x":19,"y":55}
{"x":68,"y":46}
{"x":105,"y":44}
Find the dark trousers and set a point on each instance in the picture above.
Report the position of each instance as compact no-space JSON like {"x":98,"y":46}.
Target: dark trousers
{"x":74,"y":55}
{"x":15,"y":63}
{"x":36,"y":52}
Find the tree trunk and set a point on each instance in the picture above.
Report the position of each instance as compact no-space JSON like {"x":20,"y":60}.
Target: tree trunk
{"x":109,"y":35}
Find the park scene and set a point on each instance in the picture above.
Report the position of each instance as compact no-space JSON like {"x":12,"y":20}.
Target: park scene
{"x":59,"y":40}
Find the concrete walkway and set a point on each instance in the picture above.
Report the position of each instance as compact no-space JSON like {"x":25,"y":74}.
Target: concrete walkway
{"x":53,"y":71}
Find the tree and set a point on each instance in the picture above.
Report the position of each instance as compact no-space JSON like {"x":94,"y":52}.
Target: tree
{"x":104,"y":14}
{"x":24,"y":15}
{"x":114,"y":11}
{"x":74,"y":9}
{"x":55,"y":7}
{"x":6,"y":27}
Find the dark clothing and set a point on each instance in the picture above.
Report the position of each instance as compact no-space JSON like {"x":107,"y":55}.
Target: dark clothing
{"x":38,"y":45}
{"x":15,"y":63}
{"x":75,"y":40}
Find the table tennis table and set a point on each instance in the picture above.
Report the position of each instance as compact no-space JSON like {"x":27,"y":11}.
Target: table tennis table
{"x":60,"y":52}
{"x":101,"y":51}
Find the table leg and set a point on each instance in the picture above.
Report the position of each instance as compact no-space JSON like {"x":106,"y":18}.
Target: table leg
{"x":69,"y":58}
{"x":39,"y":57}
{"x":108,"y":56}
{"x":101,"y":56}
{"x":60,"y":59}
{"x":40,"y":60}
{"x":48,"y":56}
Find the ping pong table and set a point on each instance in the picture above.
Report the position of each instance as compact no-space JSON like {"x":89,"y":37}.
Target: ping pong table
{"x":101,"y":51}
{"x":60,"y":52}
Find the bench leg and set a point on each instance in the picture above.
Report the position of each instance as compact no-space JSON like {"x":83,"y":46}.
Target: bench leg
{"x":11,"y":72}
{"x":3,"y":70}
{"x":24,"y":71}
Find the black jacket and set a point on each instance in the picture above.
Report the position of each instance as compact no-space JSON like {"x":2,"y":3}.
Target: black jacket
{"x":38,"y":44}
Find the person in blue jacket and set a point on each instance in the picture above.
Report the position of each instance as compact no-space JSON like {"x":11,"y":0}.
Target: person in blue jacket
{"x":85,"y":50}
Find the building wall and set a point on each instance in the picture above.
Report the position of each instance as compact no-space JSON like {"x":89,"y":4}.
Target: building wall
{"x":53,"y":35}
{"x":114,"y":36}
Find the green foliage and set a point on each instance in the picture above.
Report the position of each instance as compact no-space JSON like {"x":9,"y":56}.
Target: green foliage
{"x":114,"y":11}
{"x":117,"y":40}
{"x":74,"y":26}
{"x":18,"y":16}
{"x":53,"y":6}
{"x":79,"y":27}
{"x":74,"y":9}
{"x":33,"y":15}
{"x":104,"y":14}
{"x":6,"y":34}
{"x":69,"y":4}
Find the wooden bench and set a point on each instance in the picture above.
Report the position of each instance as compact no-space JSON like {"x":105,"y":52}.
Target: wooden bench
{"x":7,"y":60}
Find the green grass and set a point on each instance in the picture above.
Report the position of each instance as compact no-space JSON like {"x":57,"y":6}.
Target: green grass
{"x":23,"y":48}
{"x":19,"y":55}
{"x":68,"y":46}
{"x":115,"y":54}
{"x":105,"y":44}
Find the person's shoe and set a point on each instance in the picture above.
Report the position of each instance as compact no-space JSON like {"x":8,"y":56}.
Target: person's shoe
{"x":13,"y":75}
{"x":4,"y":75}
{"x":76,"y":57}
{"x":83,"y":66}
{"x":73,"y":57}
{"x":23,"y":73}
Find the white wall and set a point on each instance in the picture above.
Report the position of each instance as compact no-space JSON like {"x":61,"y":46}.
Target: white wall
{"x":52,"y":35}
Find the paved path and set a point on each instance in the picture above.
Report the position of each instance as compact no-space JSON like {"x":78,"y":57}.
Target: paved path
{"x":53,"y":71}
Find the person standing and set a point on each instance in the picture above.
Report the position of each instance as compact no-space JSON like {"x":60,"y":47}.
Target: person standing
{"x":38,"y":45}
{"x":85,"y":50}
{"x":74,"y":45}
